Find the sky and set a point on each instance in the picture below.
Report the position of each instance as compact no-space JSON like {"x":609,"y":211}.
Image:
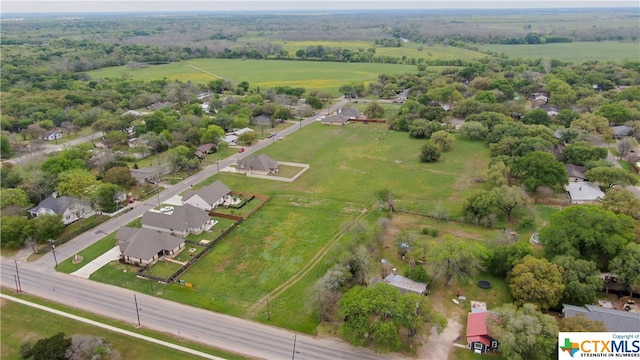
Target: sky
{"x":54,"y":6}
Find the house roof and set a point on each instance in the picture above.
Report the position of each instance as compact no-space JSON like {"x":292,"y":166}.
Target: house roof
{"x":482,"y":339}
{"x":52,"y":132}
{"x":210,"y":193}
{"x":621,"y":130}
{"x":181,"y":219}
{"x":145,"y":243}
{"x":56,"y":204}
{"x":584,"y":191}
{"x":242,"y":131}
{"x":132,"y":112}
{"x":405,"y":284}
{"x":476,"y":325}
{"x":575,"y":171}
{"x":261,"y":162}
{"x":262,"y":120}
{"x":350,"y":113}
{"x":204,"y":148}
{"x":614,"y":320}
{"x":335,"y":119}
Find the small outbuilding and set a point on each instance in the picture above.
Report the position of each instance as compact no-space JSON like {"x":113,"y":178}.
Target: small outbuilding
{"x":406,"y":285}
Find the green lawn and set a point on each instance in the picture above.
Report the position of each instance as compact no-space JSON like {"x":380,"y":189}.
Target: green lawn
{"x":22,"y":323}
{"x":88,"y":254}
{"x":328,"y":76}
{"x":302,"y":218}
{"x":577,"y":52}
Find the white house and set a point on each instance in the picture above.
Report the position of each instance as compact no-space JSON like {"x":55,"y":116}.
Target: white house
{"x":52,"y":135}
{"x":70,"y":209}
{"x":208,"y":197}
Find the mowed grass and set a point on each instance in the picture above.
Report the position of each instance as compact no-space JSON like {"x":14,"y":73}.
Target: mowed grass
{"x":302,"y":218}
{"x":21,"y":323}
{"x":577,"y":52}
{"x":326,"y":76}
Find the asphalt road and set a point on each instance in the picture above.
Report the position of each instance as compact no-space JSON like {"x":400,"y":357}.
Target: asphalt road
{"x":221,"y":331}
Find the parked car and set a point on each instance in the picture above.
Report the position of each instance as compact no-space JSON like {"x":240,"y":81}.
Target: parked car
{"x":241,"y":150}
{"x":166,"y":209}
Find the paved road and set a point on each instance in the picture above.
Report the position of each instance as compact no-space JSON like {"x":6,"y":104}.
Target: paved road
{"x":217,"y":330}
{"x":84,"y":240}
{"x":52,"y":147}
{"x":225,"y":332}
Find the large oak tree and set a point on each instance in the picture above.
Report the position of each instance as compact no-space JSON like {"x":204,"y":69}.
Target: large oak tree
{"x":587,"y":232}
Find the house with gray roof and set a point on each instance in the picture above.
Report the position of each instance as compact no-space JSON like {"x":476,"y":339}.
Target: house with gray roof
{"x":69,"y":208}
{"x":144,"y":246}
{"x":261,"y":164}
{"x":406,"y":285}
{"x":584,"y":192}
{"x":575,"y":172}
{"x":614,"y":320}
{"x":208,"y":197}
{"x":621,"y":131}
{"x":334,"y":120}
{"x":182,"y":221}
{"x":351,"y":113}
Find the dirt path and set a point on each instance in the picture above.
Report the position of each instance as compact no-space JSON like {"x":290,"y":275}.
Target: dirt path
{"x":210,"y":73}
{"x":255,"y":308}
{"x":439,"y":346}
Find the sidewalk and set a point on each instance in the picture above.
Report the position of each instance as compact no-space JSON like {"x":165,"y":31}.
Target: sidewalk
{"x":112,"y":328}
{"x":100,"y":261}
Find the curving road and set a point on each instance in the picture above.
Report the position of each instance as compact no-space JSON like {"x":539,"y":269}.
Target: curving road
{"x":214,"y":329}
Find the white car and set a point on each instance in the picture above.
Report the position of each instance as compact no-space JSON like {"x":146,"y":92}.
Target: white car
{"x":166,"y":209}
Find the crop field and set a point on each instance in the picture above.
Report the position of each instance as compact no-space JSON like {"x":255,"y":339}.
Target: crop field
{"x":577,"y":52}
{"x":327,"y":76}
{"x":306,"y":217}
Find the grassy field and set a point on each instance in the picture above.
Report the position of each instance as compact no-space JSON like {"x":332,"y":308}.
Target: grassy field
{"x":302,"y":219}
{"x":409,"y":50}
{"x":21,"y":323}
{"x":327,"y":76}
{"x":576,"y":52}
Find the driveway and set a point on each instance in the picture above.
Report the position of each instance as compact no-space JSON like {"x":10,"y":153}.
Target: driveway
{"x":100,"y":261}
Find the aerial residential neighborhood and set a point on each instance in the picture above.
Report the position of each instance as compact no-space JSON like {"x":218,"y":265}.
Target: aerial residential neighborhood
{"x":370,"y":181}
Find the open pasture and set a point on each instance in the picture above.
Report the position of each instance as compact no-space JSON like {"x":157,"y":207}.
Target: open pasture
{"x":305,"y":218}
{"x":576,"y":52}
{"x":326,"y":76}
{"x":409,"y":49}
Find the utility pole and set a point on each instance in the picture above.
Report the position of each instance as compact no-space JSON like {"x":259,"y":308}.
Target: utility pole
{"x":53,"y":249}
{"x":18,"y":285}
{"x":293,"y":355}
{"x":135,"y":300}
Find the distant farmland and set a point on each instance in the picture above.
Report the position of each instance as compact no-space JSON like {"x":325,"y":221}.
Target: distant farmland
{"x":576,"y":52}
{"x":312,"y":75}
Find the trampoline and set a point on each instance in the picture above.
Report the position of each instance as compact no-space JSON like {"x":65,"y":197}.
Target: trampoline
{"x":485,"y":284}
